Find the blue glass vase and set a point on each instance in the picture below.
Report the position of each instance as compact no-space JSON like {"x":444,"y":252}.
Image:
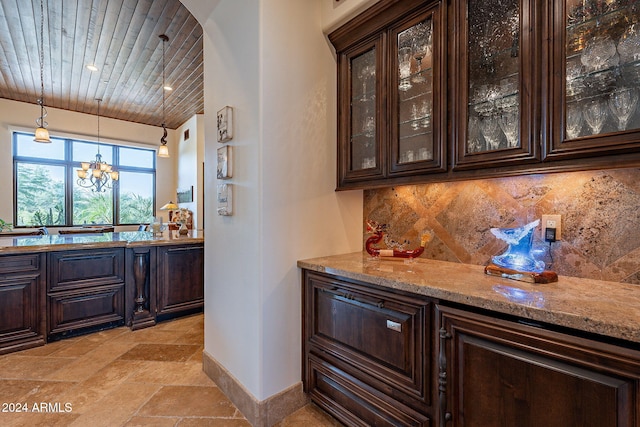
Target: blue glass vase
{"x":518,"y":255}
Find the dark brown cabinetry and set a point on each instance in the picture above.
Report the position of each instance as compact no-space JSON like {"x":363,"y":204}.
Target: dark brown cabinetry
{"x":180,"y":285}
{"x":22,"y":287}
{"x":498,"y":372}
{"x":86,"y":290}
{"x":391,"y":90}
{"x":367,"y":352}
{"x":164,"y":282}
{"x":506,"y":87}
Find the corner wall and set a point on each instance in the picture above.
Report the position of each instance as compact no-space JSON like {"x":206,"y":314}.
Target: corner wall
{"x":270,"y":61}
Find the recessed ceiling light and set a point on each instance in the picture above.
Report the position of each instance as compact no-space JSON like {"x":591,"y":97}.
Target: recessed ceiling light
{"x":92,"y":67}
{"x":168,"y":88}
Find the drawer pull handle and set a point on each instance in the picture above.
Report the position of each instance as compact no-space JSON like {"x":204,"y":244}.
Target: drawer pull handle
{"x":394,"y":326}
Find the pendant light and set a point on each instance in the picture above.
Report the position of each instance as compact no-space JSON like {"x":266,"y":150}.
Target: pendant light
{"x":42,"y":134}
{"x":163,"y":150}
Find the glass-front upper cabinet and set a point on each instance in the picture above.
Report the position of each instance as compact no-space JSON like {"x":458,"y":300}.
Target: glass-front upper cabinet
{"x":496,"y":63}
{"x":417,"y":127}
{"x":391,"y":94}
{"x":361,"y":152}
{"x":596,"y":87}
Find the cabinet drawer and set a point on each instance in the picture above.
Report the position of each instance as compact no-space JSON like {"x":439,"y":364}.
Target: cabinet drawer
{"x":16,"y":264}
{"x":84,"y":309}
{"x":355,"y":403}
{"x":80,"y":269}
{"x":380,"y":337}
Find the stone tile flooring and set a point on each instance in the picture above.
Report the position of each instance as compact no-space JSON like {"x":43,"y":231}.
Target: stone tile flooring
{"x":119,"y":377}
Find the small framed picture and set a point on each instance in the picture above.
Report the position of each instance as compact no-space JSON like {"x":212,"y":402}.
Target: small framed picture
{"x":185,"y":195}
{"x":225,"y":199}
{"x":225,"y":162}
{"x":225,"y":124}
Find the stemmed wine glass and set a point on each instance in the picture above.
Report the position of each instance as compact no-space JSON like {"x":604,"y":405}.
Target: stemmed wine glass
{"x":474,"y":142}
{"x":622,"y":103}
{"x":595,"y":114}
{"x":404,"y":65}
{"x":629,"y":44}
{"x":508,"y":122}
{"x":421,"y":44}
{"x":574,"y":120}
{"x":366,"y":73}
{"x":491,"y":132}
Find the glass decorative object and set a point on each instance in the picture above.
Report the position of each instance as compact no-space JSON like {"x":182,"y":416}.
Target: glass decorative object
{"x":518,"y":262}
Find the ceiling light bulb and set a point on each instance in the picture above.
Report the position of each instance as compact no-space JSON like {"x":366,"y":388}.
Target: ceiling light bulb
{"x":167,"y":88}
{"x":92,"y":67}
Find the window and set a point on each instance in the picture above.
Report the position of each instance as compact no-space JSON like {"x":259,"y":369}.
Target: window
{"x":48,"y":192}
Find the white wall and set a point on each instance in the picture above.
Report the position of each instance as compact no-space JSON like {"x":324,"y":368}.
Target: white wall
{"x":190,"y":160}
{"x":21,"y":116}
{"x":270,"y":61}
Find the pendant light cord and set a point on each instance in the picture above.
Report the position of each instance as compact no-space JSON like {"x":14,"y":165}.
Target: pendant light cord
{"x":41,"y":124}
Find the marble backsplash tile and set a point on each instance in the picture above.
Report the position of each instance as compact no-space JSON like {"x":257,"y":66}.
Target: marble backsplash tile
{"x":600,"y":219}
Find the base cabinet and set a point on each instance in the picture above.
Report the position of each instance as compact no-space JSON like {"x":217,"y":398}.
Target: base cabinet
{"x":180,"y":283}
{"x":86,"y":290}
{"x":367,"y":352}
{"x":502,"y":373}
{"x":22,"y":286}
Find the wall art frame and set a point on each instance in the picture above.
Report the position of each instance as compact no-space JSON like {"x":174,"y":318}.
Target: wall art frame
{"x":224,"y":123}
{"x":225,"y":199}
{"x":224,"y":168}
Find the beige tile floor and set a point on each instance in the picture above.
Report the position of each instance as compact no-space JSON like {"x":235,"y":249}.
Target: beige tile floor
{"x":119,"y":377}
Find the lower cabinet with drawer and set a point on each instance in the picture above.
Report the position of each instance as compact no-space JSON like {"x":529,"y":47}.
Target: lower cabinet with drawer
{"x":86,"y":291}
{"x":22,"y":287}
{"x":367,"y":352}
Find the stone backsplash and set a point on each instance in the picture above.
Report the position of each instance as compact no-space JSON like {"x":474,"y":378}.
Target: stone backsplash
{"x":600,"y":219}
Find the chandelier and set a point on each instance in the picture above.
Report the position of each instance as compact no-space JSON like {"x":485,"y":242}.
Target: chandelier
{"x":97,"y":175}
{"x":42,"y":134}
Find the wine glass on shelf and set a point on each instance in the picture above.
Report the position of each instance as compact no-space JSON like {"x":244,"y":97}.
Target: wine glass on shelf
{"x":366,"y":74}
{"x":491,"y":131}
{"x":404,"y":68}
{"x":474,"y":142}
{"x":421,"y":44}
{"x":574,"y":120}
{"x":508,"y":122}
{"x":599,"y":53}
{"x":595,"y":114}
{"x":623,"y":103}
{"x":629,"y":44}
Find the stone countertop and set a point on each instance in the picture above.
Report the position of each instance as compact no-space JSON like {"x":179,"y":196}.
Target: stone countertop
{"x":610,"y":309}
{"x":60,"y":242}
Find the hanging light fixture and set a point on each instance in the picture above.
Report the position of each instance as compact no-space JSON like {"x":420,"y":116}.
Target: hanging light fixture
{"x":42,"y":134}
{"x":163,"y":150}
{"x":97,"y":175}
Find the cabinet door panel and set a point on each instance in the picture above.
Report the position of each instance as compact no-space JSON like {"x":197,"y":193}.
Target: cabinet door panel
{"x":496,"y":60}
{"x":503,"y":373}
{"x":79,"y":269}
{"x":354,"y":403}
{"x":78,"y":310}
{"x":596,"y":79}
{"x":20,"y":309}
{"x":180,"y":279}
{"x":418,"y":131}
{"x":382,"y":338}
{"x":360,"y":153}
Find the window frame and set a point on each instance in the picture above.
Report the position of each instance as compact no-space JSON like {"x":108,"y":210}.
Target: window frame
{"x":71,"y":166}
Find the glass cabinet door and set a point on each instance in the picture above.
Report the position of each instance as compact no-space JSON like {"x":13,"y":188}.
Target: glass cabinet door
{"x":361,"y":149}
{"x":496,"y":65}
{"x":417,"y":131}
{"x":598,"y":86}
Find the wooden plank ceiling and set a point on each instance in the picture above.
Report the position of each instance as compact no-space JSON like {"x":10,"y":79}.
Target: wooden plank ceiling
{"x":121,"y":37}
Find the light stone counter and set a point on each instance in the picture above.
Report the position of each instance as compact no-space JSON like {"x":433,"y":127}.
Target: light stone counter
{"x":606,"y":308}
{"x":63,"y":242}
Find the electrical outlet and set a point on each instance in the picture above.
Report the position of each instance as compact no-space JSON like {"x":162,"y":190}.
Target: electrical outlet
{"x":551,"y":221}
